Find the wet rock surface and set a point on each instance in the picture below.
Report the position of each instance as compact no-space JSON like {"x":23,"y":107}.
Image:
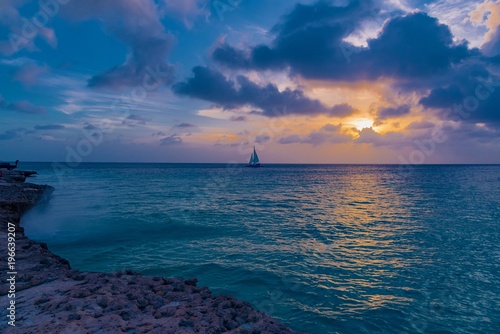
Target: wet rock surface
{"x":52,"y":298}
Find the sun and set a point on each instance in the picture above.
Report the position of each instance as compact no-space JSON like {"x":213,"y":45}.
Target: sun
{"x":361,"y":123}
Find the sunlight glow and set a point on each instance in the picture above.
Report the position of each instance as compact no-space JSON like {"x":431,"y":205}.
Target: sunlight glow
{"x":361,"y":123}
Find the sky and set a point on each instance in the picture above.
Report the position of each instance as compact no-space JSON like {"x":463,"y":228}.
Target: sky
{"x":340,"y":81}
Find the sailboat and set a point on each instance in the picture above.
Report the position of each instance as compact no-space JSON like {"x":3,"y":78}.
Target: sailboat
{"x":254,"y":159}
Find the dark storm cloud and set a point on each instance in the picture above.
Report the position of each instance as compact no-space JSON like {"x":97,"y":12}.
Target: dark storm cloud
{"x":309,"y":41}
{"x":474,"y":100}
{"x":412,"y":46}
{"x":211,"y":85}
{"x":443,"y":97}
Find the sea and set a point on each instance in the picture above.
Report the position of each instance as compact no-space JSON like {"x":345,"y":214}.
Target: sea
{"x":322,"y":248}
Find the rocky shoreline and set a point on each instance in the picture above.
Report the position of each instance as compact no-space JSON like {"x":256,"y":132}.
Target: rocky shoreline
{"x":50,"y":297}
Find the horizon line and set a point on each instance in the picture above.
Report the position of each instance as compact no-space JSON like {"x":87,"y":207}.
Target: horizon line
{"x":269,"y":163}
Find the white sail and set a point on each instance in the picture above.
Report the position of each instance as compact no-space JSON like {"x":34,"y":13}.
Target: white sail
{"x":254,"y":159}
{"x":255,"y":156}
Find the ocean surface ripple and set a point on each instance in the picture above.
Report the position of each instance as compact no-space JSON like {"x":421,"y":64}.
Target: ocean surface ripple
{"x":323,"y":248}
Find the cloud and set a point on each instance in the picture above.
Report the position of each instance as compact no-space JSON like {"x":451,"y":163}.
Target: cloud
{"x":25,"y":107}
{"x":391,"y":112}
{"x":342,"y":110}
{"x":171,"y":140}
{"x":13,"y":22}
{"x":50,"y":127}
{"x":138,"y":118}
{"x":310,"y":42}
{"x":134,"y":120}
{"x":327,"y":134}
{"x":460,"y":136}
{"x":307,"y":40}
{"x":29,"y":73}
{"x":12,"y":134}
{"x":136,"y":23}
{"x":442,"y":97}
{"x":370,"y":136}
{"x":475,"y":99}
{"x":186,"y":10}
{"x":8,"y":135}
{"x":211,"y":85}
{"x":291,"y":139}
{"x":420,"y":125}
{"x":414,"y":51}
{"x":488,"y":14}
{"x":413,"y":46}
{"x":262,"y":139}
{"x":467,"y":132}
{"x":238,"y":119}
{"x":46,"y":138}
{"x":434,"y":137}
{"x":185,"y":125}
{"x":159,"y":134}
{"x":492,"y":47}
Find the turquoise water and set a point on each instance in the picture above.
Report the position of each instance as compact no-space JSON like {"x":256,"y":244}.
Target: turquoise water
{"x":325,"y":249}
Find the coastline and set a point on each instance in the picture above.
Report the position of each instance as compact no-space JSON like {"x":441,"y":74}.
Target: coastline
{"x":51,"y":297}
